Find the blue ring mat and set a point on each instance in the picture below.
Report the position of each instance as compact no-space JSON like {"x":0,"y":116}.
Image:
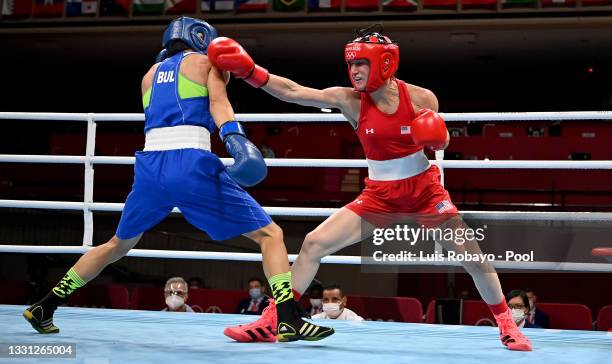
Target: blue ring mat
{"x":130,"y":336}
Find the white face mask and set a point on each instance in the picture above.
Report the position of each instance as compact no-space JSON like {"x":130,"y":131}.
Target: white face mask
{"x":332,"y":309}
{"x":518,"y":315}
{"x":315,"y":302}
{"x":255,"y":293}
{"x":174,"y":302}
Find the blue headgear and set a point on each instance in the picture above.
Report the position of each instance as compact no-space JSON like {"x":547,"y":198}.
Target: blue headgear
{"x":195,"y":33}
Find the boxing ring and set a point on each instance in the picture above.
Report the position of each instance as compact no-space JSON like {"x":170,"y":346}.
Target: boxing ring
{"x":104,"y":336}
{"x":121,"y":336}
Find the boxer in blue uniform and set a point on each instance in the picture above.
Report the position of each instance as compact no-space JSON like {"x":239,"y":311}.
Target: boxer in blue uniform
{"x":185,"y":100}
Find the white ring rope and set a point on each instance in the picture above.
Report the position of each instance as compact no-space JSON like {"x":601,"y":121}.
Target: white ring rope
{"x":326,"y":163}
{"x":326,"y":117}
{"x":323,"y":212}
{"x":332,"y":259}
{"x":89,"y":159}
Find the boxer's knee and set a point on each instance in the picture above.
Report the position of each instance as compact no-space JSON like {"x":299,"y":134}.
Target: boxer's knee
{"x":478,"y":268}
{"x":271,"y":233}
{"x":118,"y":248}
{"x":274,"y":232}
{"x":313,"y":246}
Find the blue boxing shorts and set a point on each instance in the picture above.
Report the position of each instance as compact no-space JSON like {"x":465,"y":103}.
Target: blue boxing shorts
{"x":196,"y":182}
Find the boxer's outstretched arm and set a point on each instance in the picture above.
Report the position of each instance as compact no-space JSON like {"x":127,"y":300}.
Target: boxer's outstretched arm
{"x":290,"y":91}
{"x":228,"y":55}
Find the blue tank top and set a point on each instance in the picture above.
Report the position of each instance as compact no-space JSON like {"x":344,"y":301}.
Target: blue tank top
{"x":174,"y":100}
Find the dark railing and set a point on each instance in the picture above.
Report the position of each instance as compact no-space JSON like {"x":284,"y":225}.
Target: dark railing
{"x":39,"y":11}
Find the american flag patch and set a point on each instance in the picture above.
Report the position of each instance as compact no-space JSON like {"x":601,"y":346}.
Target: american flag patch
{"x":404,"y":129}
{"x":443,"y":206}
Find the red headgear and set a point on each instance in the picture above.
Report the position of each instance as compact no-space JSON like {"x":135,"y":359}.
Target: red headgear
{"x":380,"y":51}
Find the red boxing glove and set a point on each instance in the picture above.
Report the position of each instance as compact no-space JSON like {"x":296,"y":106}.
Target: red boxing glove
{"x":228,"y":55}
{"x":429,"y":129}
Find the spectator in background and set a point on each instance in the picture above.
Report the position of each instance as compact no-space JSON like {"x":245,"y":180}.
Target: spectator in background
{"x":195,"y":283}
{"x":536,"y":317}
{"x":258,"y":300}
{"x":519,"y":305}
{"x":315,"y":294}
{"x":334,"y":306}
{"x":267,"y":151}
{"x":176,"y":292}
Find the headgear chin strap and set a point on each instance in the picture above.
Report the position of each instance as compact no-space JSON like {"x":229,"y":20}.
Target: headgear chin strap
{"x":380,"y":51}
{"x":194,"y":33}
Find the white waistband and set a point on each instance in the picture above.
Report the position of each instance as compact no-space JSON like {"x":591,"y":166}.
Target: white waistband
{"x":399,"y":168}
{"x":177,"y":137}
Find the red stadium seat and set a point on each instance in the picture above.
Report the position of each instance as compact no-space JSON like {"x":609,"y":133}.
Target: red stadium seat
{"x":13,"y":292}
{"x":148,"y":298}
{"x":475,"y":313}
{"x":67,"y":144}
{"x":568,"y":316}
{"x":119,"y":144}
{"x":604,"y":318}
{"x":102,"y":296}
{"x":400,"y":309}
{"x":430,"y":313}
{"x":216,"y":300}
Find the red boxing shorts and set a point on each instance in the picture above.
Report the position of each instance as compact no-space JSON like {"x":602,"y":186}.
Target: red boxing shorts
{"x":382,"y":203}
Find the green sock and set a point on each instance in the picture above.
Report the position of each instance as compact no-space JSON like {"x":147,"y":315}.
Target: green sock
{"x":68,"y":284}
{"x":281,"y":287}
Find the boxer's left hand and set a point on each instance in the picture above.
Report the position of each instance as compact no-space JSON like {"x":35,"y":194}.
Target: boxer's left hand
{"x":228,"y":55}
{"x":429,"y":129}
{"x":249,"y":167}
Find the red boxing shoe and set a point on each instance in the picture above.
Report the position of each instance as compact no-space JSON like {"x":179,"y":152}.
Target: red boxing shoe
{"x":262,"y":330}
{"x":510,"y":334}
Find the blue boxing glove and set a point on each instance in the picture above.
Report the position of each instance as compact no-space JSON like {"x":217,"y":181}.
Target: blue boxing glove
{"x":163,"y":54}
{"x":249,"y":167}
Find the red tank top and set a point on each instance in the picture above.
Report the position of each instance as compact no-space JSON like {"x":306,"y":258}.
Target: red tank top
{"x":387,"y":136}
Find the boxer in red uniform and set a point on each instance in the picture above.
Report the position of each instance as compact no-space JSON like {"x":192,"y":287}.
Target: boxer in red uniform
{"x":394,"y":121}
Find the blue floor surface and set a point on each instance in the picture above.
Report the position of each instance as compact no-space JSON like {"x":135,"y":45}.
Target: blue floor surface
{"x":124,"y":336}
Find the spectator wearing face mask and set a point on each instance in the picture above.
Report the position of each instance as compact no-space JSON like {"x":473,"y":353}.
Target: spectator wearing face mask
{"x":519,"y":305}
{"x":257,"y":301}
{"x":176,"y":292}
{"x":334,"y":306}
{"x":315,"y":294}
{"x":536,"y":317}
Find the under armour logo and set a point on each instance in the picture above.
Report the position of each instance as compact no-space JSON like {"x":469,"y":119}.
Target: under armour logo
{"x":370,"y":131}
{"x":359,"y":202}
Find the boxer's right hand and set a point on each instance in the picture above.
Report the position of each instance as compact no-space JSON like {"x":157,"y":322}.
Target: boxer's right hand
{"x":228,"y":55}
